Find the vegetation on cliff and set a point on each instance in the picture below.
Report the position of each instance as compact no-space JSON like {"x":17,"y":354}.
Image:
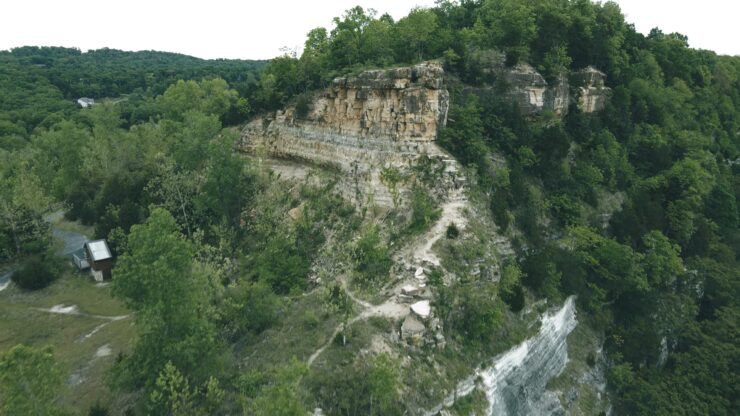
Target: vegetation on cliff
{"x":634,"y":209}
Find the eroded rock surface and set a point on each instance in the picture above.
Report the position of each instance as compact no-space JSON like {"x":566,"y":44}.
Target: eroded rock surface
{"x":592,"y":92}
{"x":530,"y":91}
{"x":363,"y":125}
{"x":533,"y":94}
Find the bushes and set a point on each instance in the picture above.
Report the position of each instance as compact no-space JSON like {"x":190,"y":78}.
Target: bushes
{"x":302,"y":106}
{"x":452,"y":231}
{"x":424,"y":211}
{"x":250,"y":308}
{"x":37,"y":272}
{"x":363,"y":386}
{"x":372,"y":255}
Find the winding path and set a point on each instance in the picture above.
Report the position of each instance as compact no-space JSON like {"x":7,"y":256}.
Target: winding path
{"x":418,"y":253}
{"x":389,"y":309}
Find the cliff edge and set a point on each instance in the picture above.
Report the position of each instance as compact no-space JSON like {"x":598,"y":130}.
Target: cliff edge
{"x":362,"y":125}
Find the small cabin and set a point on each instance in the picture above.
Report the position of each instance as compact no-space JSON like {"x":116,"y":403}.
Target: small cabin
{"x":100,"y":259}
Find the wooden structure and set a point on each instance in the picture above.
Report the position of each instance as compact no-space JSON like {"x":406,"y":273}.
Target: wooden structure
{"x":80,"y":259}
{"x":100,"y":259}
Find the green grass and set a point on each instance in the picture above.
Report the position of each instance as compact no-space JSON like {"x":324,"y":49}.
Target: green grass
{"x":24,"y":323}
{"x":304,"y":327}
{"x":473,"y":404}
{"x":75,"y":226}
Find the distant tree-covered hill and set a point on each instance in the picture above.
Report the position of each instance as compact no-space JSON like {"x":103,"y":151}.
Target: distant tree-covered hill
{"x":39,"y":84}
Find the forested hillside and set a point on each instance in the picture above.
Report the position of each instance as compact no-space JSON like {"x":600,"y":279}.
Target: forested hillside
{"x":40,"y":85}
{"x":633,"y":209}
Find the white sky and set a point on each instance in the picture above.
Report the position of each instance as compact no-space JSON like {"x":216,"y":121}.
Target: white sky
{"x":252,"y":29}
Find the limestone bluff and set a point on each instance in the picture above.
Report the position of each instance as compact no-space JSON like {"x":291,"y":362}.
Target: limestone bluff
{"x":390,"y":118}
{"x":361,"y":125}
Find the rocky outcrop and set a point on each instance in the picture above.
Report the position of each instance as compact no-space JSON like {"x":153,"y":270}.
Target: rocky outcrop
{"x":515,"y":384}
{"x":592,"y":92}
{"x":382,"y":120}
{"x":534,"y":95}
{"x":363,"y":126}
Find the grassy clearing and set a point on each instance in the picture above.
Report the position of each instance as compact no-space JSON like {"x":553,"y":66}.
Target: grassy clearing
{"x":303,"y":328}
{"x":63,"y":224}
{"x":24,"y":323}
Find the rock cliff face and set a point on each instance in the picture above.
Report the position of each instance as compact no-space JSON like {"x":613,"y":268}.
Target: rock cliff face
{"x":592,"y":92}
{"x":388,"y":119}
{"x":533,"y":94}
{"x":363,"y":125}
{"x":516,"y":382}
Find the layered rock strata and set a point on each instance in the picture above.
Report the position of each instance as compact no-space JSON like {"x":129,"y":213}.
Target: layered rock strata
{"x":364,"y":126}
{"x":592,"y":93}
{"x":533,"y":94}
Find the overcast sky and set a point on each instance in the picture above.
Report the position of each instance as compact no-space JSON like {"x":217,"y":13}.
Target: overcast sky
{"x":257,"y":29}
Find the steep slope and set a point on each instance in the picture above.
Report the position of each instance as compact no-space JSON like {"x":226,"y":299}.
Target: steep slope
{"x":376,"y":129}
{"x":376,"y":122}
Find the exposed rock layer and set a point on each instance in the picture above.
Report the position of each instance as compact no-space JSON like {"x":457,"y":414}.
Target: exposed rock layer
{"x":515,"y":384}
{"x":378,"y":120}
{"x":388,"y":119}
{"x":533,"y":94}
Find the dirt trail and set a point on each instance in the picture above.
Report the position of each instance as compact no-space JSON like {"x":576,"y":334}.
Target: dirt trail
{"x":418,"y":253}
{"x":389,"y":309}
{"x":72,"y":310}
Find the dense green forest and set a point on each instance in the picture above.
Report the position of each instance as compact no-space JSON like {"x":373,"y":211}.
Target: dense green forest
{"x":207,"y":265}
{"x":40,"y":85}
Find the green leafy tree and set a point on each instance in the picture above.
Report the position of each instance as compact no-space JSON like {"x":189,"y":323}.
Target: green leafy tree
{"x":22,"y":204}
{"x":348,"y":36}
{"x":661,"y":259}
{"x":168,"y":293}
{"x":383,"y":384}
{"x":610,"y":269}
{"x":414,"y":32}
{"x":209,"y":96}
{"x":510,"y":26}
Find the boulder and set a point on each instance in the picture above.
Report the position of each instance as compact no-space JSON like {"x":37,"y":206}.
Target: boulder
{"x":411,"y":327}
{"x":422,"y":309}
{"x":410,"y":290}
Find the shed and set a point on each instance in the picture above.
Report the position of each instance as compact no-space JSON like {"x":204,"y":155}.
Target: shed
{"x":100,"y":259}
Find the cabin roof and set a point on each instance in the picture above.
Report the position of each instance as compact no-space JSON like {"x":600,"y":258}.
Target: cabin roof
{"x":99,"y":250}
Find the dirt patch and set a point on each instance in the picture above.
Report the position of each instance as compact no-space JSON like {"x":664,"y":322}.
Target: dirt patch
{"x":453,"y":212}
{"x":64,"y":310}
{"x":103,"y":351}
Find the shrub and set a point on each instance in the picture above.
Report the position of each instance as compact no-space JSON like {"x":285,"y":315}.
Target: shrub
{"x":311,"y":320}
{"x":302,"y":106}
{"x":424,"y":212}
{"x":372,"y":255}
{"x":452,"y":231}
{"x":98,"y":409}
{"x":250,"y":308}
{"x":37,"y":272}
